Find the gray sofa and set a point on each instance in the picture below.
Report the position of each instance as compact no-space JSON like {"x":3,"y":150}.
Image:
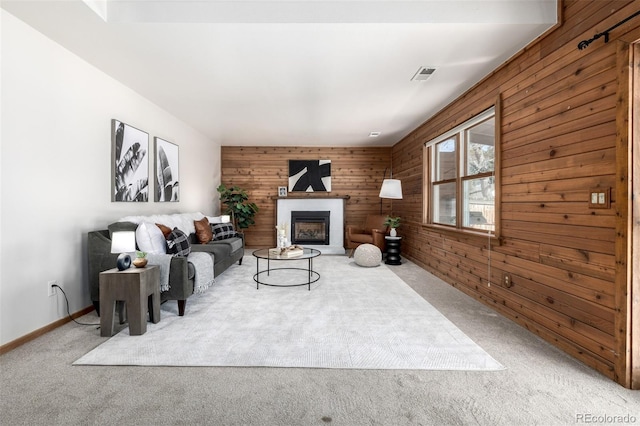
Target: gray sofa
{"x":181,"y":273}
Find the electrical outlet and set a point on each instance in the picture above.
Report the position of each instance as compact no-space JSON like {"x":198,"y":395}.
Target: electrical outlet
{"x":506,"y":279}
{"x":51,"y":290}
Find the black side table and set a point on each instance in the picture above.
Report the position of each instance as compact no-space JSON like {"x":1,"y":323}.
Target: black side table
{"x":393,"y":250}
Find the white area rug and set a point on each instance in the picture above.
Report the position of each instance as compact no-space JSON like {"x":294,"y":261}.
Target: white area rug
{"x":353,"y":317}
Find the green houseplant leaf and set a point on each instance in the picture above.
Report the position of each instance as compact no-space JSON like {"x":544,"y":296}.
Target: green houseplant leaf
{"x":236,"y":202}
{"x":392,"y":222}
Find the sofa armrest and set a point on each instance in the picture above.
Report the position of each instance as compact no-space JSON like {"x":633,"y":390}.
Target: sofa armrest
{"x":241,"y":236}
{"x":180,"y":287}
{"x":99,"y":258}
{"x":378,"y":238}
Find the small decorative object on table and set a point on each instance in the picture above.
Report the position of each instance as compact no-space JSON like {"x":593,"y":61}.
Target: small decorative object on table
{"x":290,"y":251}
{"x":393,"y":223}
{"x":281,"y":236}
{"x":141,"y":260}
{"x":123,"y":242}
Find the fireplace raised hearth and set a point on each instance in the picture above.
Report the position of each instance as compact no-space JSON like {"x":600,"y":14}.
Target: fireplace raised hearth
{"x":310,"y":227}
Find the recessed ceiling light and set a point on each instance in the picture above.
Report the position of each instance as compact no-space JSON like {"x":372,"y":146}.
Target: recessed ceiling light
{"x":374,"y":134}
{"x":423,"y":74}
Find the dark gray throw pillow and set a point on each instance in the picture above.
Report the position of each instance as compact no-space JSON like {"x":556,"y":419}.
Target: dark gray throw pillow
{"x":222,"y":231}
{"x":178,"y":243}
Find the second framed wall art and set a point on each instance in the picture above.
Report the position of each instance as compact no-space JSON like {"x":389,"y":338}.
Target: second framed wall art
{"x":167,"y":171}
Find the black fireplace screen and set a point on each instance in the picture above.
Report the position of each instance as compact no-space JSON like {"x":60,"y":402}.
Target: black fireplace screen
{"x":308,"y":227}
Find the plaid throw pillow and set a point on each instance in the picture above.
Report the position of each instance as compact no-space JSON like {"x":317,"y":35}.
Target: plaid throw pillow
{"x":178,"y":243}
{"x":222,"y":231}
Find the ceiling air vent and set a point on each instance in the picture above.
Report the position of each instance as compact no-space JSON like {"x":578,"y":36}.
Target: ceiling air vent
{"x":423,"y":74}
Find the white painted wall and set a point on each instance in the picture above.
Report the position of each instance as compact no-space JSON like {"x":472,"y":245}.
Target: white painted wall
{"x":55,"y":153}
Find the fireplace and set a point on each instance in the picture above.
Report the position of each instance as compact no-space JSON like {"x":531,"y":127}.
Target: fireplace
{"x":310,"y":227}
{"x":333,"y":204}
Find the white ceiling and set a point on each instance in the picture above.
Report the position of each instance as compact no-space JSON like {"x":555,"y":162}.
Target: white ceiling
{"x":294,"y":72}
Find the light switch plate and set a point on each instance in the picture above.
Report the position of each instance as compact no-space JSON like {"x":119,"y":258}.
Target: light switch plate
{"x":600,"y":198}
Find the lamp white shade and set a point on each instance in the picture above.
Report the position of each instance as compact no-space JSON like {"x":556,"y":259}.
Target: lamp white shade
{"x":391,"y":188}
{"x":123,"y":242}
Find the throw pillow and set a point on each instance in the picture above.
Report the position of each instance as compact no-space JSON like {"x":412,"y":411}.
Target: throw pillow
{"x":165,"y":229}
{"x":203,"y":230}
{"x":178,"y":243}
{"x":149,"y":238}
{"x":222,"y":231}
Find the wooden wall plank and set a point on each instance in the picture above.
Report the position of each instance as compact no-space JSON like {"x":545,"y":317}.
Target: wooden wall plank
{"x":622,"y":228}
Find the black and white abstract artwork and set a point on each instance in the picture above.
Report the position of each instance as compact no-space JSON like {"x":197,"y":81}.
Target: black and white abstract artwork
{"x":309,"y":175}
{"x":130,"y":160}
{"x":167,"y":171}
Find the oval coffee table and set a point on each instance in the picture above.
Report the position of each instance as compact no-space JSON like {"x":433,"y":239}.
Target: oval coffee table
{"x":307,"y":254}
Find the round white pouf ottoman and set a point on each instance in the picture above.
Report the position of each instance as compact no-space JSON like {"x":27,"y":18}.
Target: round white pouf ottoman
{"x":367,"y":255}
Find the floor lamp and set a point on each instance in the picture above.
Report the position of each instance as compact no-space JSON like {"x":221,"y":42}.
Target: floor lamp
{"x":391,"y":188}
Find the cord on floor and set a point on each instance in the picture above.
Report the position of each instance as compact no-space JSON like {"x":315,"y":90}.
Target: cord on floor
{"x":69,"y":313}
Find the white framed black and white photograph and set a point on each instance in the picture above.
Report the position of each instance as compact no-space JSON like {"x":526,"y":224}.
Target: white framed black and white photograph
{"x":309,"y":175}
{"x":167,"y":171}
{"x":130,"y":163}
{"x":282,"y":191}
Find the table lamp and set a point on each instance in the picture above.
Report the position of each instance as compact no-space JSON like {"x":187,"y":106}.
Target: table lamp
{"x":123,"y":242}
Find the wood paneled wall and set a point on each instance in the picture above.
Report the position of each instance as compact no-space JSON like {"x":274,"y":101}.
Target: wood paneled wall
{"x":559,"y":139}
{"x":355,"y":172}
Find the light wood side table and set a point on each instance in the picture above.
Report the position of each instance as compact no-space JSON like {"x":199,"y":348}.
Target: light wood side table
{"x":139,"y":289}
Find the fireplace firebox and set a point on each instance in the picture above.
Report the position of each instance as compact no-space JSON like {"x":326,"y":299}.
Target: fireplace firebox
{"x":310,"y":227}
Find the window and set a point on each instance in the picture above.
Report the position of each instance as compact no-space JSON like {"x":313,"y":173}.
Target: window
{"x":460,"y":165}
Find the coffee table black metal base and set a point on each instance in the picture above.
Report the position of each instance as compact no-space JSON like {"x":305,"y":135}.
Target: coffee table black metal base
{"x":308,"y":255}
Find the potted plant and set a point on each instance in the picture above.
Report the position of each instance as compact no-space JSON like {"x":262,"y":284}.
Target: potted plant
{"x":238,"y":206}
{"x":393,"y":223}
{"x":141,"y":259}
